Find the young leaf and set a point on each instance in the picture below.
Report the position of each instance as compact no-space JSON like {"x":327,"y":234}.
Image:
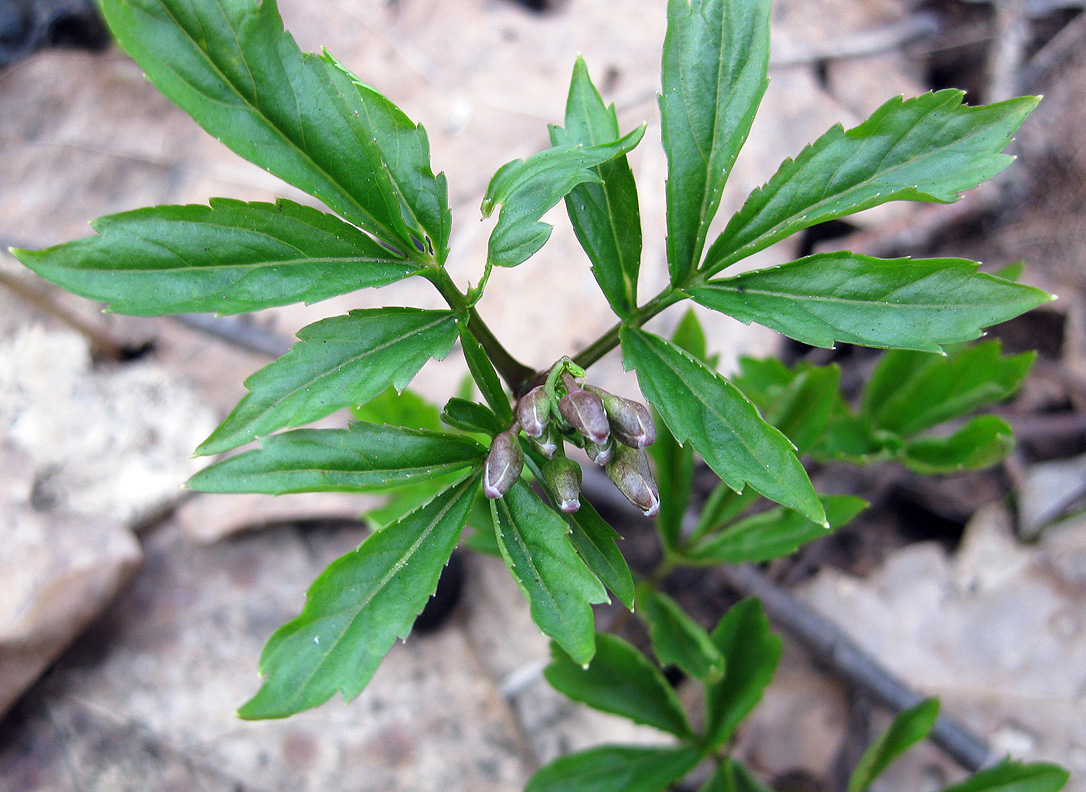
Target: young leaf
{"x":1011,"y":776}
{"x":799,"y":401}
{"x":699,"y":405}
{"x":469,"y":416}
{"x":773,"y":533}
{"x":676,"y":638}
{"x":526,"y":189}
{"x":715,"y":66}
{"x":981,"y":443}
{"x":358,"y":607}
{"x":363,"y":457}
{"x":605,"y":215}
{"x":233,"y":68}
{"x":891,"y":303}
{"x":622,"y":681}
{"x":482,"y":371}
{"x":559,"y":588}
{"x":723,"y":505}
{"x":337,"y":362}
{"x":751,"y":653}
{"x":227,"y":258}
{"x":929,"y":148}
{"x":731,"y":776}
{"x":616,"y":768}
{"x":910,"y":392}
{"x":909,"y":727}
{"x":594,"y":540}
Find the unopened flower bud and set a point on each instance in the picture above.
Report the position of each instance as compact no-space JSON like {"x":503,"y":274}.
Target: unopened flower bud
{"x":534,"y":411}
{"x":600,"y":454}
{"x":629,"y":470}
{"x":630,"y":421}
{"x":547,"y":445}
{"x":563,"y":478}
{"x":503,"y":464}
{"x":584,"y":411}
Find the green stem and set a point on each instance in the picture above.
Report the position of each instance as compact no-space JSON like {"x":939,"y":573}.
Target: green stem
{"x":609,"y":340}
{"x":515,"y":373}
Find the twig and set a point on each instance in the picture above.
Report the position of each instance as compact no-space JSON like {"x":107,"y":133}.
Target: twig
{"x":864,"y":44}
{"x":1063,"y":45}
{"x":1008,"y":50}
{"x":833,"y":647}
{"x":236,"y":332}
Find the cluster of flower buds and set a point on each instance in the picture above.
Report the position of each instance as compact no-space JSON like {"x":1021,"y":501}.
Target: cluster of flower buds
{"x":613,"y":431}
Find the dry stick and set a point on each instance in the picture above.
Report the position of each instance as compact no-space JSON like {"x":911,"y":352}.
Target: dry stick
{"x":236,"y":332}
{"x":1062,"y":46}
{"x":1008,"y":50}
{"x":862,"y":44}
{"x":830,"y":645}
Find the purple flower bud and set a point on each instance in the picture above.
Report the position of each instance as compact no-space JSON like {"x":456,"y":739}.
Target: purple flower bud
{"x":630,"y":421}
{"x":503,"y":464}
{"x":534,"y":411}
{"x":563,"y":478}
{"x":547,"y":445}
{"x":629,"y":470}
{"x":584,"y":411}
{"x":600,"y":454}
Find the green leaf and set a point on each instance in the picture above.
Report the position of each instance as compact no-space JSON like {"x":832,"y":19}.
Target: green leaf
{"x":676,"y":638}
{"x":929,"y":148}
{"x":731,"y":776}
{"x":616,"y":768}
{"x":980,"y":443}
{"x":404,"y":408}
{"x":594,"y":540}
{"x":1011,"y":776}
{"x":715,"y":65}
{"x":358,"y":607}
{"x":773,"y":533}
{"x":622,"y":681}
{"x":337,"y":362}
{"x":799,"y":401}
{"x":404,"y":498}
{"x":751,"y":653}
{"x":526,"y":189}
{"x":469,"y":416}
{"x":227,"y":258}
{"x":559,"y":588}
{"x":232,"y":67}
{"x":699,"y":405}
{"x":690,"y":335}
{"x":604,"y":214}
{"x":482,"y":371}
{"x":828,"y":298}
{"x":722,"y":506}
{"x":363,"y":457}
{"x":908,"y":728}
{"x":910,"y":392}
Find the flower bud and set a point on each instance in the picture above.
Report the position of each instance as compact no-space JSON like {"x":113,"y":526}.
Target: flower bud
{"x":503,"y":464}
{"x":547,"y":444}
{"x":584,"y":411}
{"x":630,"y":421}
{"x":534,"y":411}
{"x":629,"y":470}
{"x":563,"y":478}
{"x":600,"y":454}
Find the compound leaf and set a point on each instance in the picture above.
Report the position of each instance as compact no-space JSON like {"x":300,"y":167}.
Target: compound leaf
{"x":365,"y":456}
{"x":604,"y":214}
{"x":622,"y":681}
{"x":982,"y":442}
{"x":908,"y":728}
{"x":1009,"y":776}
{"x":559,"y":588}
{"x":594,"y":540}
{"x":227,"y":258}
{"x":337,"y":362}
{"x":526,"y":189}
{"x":616,"y":768}
{"x":828,"y":298}
{"x":233,"y":68}
{"x":358,"y":607}
{"x":699,"y":405}
{"x":773,"y":533}
{"x":715,"y":66}
{"x":677,"y":639}
{"x":751,"y":652}
{"x":929,"y":148}
{"x":912,"y":391}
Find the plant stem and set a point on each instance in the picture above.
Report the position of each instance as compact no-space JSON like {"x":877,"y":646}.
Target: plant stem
{"x":516,"y":374}
{"x":609,"y":340}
